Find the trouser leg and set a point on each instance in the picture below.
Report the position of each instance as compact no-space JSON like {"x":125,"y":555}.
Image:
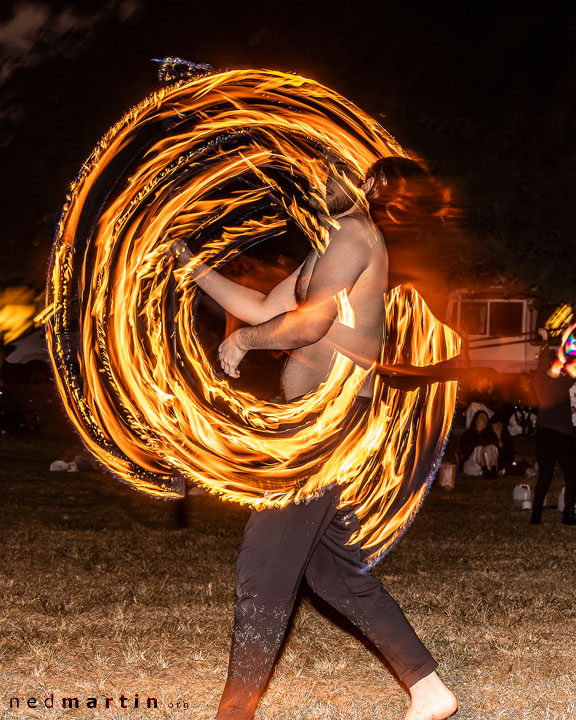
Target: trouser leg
{"x":336,"y":573}
{"x":546,"y":457}
{"x":276,"y":548}
{"x":567,"y":462}
{"x":474,"y":464}
{"x":491,"y":456}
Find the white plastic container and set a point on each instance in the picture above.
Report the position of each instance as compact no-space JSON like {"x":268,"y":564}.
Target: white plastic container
{"x":561,"y":501}
{"x":521,"y":494}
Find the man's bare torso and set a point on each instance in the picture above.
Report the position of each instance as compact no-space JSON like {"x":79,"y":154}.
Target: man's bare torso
{"x":309,"y":366}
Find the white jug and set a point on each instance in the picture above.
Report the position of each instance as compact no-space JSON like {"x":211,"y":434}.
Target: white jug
{"x":521,"y":494}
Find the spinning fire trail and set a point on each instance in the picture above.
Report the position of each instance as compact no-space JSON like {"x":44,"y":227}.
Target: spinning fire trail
{"x":223,"y":160}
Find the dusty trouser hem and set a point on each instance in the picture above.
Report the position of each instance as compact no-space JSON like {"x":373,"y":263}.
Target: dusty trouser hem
{"x":411,"y":677}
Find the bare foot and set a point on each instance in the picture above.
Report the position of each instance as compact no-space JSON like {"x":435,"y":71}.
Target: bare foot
{"x":430,"y":699}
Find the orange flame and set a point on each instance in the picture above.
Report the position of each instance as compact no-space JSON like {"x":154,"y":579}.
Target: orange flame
{"x":18,"y":306}
{"x":133,"y":375}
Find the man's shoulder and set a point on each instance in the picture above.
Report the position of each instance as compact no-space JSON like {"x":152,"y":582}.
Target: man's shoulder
{"x":355,"y":220}
{"x":354,"y":228}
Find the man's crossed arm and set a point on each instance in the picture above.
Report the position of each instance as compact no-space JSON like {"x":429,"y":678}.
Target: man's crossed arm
{"x":337,"y":269}
{"x":247,"y":304}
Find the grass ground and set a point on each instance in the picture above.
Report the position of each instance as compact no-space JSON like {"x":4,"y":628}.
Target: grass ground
{"x":103,"y":595}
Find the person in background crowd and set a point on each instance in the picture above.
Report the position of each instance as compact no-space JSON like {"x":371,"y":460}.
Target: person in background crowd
{"x":522,"y":415}
{"x":480,"y":396}
{"x":526,"y":395}
{"x":554,"y":435}
{"x":479,"y":447}
{"x":505,"y":443}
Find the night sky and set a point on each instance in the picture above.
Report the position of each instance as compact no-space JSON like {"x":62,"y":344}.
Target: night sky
{"x":485,"y":92}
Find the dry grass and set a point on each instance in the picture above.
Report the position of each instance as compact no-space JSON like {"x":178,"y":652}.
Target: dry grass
{"x":103,"y":595}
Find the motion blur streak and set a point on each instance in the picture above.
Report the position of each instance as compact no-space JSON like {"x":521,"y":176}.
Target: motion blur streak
{"x":18,"y":307}
{"x":225,"y":161}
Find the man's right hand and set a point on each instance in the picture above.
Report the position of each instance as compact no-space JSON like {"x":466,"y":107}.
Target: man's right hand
{"x":180,"y":252}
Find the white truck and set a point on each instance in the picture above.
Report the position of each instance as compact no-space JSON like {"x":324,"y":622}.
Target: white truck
{"x":499,"y":329}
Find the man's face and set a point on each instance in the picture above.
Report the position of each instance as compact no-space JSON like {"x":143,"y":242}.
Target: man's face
{"x":339,"y":196}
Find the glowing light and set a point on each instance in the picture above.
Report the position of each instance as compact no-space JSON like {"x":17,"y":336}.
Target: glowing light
{"x":224,"y":161}
{"x":560,"y":319}
{"x":18,"y":306}
{"x":566,"y":358}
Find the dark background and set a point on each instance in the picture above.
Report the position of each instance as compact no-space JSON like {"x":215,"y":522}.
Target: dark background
{"x":485,"y":92}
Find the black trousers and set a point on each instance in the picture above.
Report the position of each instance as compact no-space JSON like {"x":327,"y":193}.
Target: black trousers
{"x":279,"y":547}
{"x":551,"y":447}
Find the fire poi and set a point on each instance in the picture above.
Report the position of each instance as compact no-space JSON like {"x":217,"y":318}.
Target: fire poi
{"x":223,"y":160}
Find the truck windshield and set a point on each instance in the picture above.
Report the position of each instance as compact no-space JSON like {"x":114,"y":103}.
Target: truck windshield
{"x":506,"y":319}
{"x":473,"y":317}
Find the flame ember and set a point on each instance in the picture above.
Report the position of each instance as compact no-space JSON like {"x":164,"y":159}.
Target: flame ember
{"x":225,"y":161}
{"x":18,"y":306}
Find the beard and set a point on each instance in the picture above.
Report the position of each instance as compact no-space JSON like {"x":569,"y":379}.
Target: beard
{"x":337,"y":204}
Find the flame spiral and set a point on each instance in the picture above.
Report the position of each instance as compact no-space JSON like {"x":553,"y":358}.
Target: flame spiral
{"x":223,"y":161}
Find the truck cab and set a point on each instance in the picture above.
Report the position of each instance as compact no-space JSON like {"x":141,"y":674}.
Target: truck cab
{"x":499,"y":329}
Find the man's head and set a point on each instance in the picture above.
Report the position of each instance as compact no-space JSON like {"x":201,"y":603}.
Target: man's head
{"x":340,"y":184}
{"x":400,"y":190}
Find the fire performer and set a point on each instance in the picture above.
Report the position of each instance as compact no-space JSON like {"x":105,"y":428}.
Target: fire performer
{"x":281,"y":545}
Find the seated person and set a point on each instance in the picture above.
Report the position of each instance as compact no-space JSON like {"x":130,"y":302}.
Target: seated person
{"x":505,"y":444}
{"x":473,"y":409}
{"x":526,"y":395}
{"x":480,"y":395}
{"x":479,"y":448}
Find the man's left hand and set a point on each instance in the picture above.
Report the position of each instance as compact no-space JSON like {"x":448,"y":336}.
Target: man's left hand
{"x":230,"y":354}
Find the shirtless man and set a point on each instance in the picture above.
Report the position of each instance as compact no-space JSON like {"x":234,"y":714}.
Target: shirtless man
{"x":282,"y":545}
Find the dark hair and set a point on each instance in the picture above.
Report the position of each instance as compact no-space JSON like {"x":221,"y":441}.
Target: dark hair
{"x":404,"y":191}
{"x":499,"y":417}
{"x":476,"y":416}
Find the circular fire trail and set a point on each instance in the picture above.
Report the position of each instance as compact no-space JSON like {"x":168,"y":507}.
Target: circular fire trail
{"x":223,"y":161}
